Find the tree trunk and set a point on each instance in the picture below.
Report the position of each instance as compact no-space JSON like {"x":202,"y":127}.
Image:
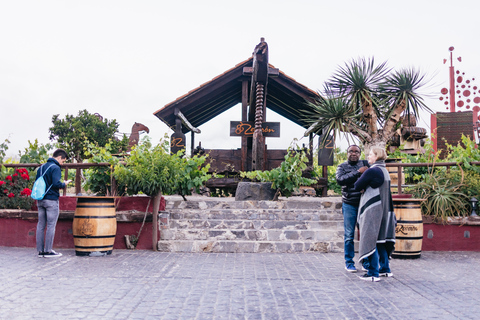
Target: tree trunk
{"x":378,"y":142}
{"x":156,"y":206}
{"x":391,"y":124}
{"x":370,"y":117}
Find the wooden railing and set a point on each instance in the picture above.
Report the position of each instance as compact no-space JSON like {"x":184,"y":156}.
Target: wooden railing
{"x":79,"y":166}
{"x":400,"y":167}
{"x":65,"y":166}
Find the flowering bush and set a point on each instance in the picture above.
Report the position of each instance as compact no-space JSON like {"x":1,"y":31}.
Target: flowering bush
{"x":15,"y":190}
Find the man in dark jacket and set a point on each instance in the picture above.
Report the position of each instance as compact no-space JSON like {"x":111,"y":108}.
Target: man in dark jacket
{"x":48,"y":209}
{"x":347,"y":174}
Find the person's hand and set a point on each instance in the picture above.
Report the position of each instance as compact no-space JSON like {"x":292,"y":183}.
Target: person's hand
{"x":67,"y":181}
{"x":362,"y":169}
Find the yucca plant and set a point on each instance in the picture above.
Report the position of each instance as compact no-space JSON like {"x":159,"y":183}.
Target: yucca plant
{"x":374,"y":100}
{"x":443,"y":198}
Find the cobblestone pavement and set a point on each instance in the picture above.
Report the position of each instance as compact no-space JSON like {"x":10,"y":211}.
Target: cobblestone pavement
{"x":158,"y":285}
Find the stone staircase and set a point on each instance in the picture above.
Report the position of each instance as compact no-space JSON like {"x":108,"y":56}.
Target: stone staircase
{"x":296,"y":224}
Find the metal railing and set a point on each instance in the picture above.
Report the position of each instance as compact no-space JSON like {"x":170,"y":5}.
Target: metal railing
{"x":79,"y":166}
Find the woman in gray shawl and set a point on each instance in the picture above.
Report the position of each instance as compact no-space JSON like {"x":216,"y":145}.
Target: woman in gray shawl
{"x":376,"y":217}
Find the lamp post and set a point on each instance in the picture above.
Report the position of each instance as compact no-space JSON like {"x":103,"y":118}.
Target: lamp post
{"x":474,"y":206}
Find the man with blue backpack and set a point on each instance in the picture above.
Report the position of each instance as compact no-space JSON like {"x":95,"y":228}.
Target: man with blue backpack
{"x":48,"y":208}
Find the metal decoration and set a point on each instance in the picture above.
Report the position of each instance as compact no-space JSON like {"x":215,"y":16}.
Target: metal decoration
{"x":474,"y":206}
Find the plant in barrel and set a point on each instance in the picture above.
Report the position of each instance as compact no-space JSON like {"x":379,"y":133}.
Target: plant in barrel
{"x":153,"y":171}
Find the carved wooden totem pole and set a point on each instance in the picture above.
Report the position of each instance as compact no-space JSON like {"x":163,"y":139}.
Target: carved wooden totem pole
{"x":258,"y":95}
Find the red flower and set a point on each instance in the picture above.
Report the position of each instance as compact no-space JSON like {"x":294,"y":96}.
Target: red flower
{"x":15,"y":175}
{"x":5,"y":191}
{"x":2,"y":182}
{"x":25,"y":176}
{"x":11,"y":195}
{"x":9,"y":178}
{"x":26,"y":192}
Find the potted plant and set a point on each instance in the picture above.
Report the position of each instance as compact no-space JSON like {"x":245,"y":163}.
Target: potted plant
{"x":287,"y":178}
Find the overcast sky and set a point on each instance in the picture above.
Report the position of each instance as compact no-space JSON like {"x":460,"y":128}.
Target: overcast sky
{"x":127,"y":59}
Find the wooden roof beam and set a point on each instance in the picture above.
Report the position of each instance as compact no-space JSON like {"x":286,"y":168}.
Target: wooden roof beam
{"x":187,"y":124}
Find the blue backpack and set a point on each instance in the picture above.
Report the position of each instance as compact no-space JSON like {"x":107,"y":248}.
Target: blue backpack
{"x":38,"y":190}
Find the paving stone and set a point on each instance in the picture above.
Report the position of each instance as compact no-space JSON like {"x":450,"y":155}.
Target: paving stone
{"x":135,"y":284}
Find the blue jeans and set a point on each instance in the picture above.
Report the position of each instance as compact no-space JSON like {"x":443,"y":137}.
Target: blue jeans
{"x":48,"y":212}
{"x":383,"y":258}
{"x":349,"y":222}
{"x":372,"y":269}
{"x":378,"y":258}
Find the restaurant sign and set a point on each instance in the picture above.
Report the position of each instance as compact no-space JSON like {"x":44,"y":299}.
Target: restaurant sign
{"x":246,"y":129}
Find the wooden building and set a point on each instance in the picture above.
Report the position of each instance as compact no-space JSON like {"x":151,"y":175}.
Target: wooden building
{"x":257,"y":86}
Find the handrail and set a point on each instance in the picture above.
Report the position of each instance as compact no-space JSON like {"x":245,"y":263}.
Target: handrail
{"x":428,"y":165}
{"x":86,"y":165}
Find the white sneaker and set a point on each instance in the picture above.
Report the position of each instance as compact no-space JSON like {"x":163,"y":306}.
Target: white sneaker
{"x":365,"y":277}
{"x":51,"y":254}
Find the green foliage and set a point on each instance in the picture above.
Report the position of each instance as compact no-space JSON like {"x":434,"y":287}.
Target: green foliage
{"x":35,"y":153}
{"x":464,"y":153}
{"x":3,"y":149}
{"x":151,"y":170}
{"x":286,"y":178}
{"x":99,"y":180}
{"x":75,"y":133}
{"x":447,"y":192}
{"x":15,"y":190}
{"x":467,"y":180}
{"x":338,"y":158}
{"x":443,"y":198}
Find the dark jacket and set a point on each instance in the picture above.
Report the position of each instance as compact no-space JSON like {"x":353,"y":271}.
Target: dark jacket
{"x":347,"y":175}
{"x":52,"y":178}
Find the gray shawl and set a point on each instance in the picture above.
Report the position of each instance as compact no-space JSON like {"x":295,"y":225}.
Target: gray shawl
{"x":376,"y":217}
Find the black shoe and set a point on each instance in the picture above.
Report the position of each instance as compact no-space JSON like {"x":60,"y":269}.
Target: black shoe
{"x":386,"y":274}
{"x":51,"y":254}
{"x":40,"y":254}
{"x":366,"y":277}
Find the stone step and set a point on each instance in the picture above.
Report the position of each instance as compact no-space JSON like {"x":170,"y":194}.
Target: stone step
{"x":255,"y":224}
{"x":251,"y":235}
{"x":238,"y":246}
{"x":230,"y":203}
{"x":252,"y":214}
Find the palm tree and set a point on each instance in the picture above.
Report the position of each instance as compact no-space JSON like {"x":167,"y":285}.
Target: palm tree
{"x":367,"y":101}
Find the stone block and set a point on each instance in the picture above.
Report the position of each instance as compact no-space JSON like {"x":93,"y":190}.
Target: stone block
{"x":298,"y":247}
{"x":254,"y":191}
{"x":164,"y":246}
{"x":182,"y":246}
{"x":167,"y":235}
{"x":291,"y":235}
{"x":319,"y":246}
{"x":307,"y":235}
{"x":275,"y":235}
{"x":283,"y":247}
{"x":265,"y":247}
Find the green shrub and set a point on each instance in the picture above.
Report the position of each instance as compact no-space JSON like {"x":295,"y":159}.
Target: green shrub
{"x":100,"y":180}
{"x":288,"y":177}
{"x":443,"y":198}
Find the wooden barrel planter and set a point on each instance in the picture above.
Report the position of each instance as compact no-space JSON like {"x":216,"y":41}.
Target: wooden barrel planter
{"x":409,"y":230}
{"x":94,"y":226}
